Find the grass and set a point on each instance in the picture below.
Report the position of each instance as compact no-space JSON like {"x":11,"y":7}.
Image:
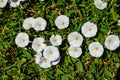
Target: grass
{"x":18,"y":63}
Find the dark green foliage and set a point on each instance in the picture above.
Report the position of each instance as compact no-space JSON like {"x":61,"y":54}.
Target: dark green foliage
{"x":18,"y":63}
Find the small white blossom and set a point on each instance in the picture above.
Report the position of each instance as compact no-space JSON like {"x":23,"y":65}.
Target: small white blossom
{"x":38,"y":44}
{"x":119,"y":22}
{"x":56,"y":40}
{"x":14,"y":3}
{"x":40,"y":24}
{"x":44,"y":63}
{"x":75,"y":39}
{"x":29,"y":23}
{"x":56,"y":61}
{"x":51,"y":53}
{"x":22,"y":0}
{"x":74,"y":52}
{"x":38,"y":57}
{"x":89,"y":29}
{"x":100,"y":4}
{"x":41,"y":0}
{"x":112,"y":42}
{"x":62,"y":22}
{"x":96,"y":49}
{"x":3,"y":3}
{"x":22,"y":39}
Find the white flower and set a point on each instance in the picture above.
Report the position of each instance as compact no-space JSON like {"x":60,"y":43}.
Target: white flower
{"x":38,"y":44}
{"x":56,"y":40}
{"x":96,"y":49}
{"x":14,"y":3}
{"x":75,"y":39}
{"x":112,"y":42}
{"x":40,"y":24}
{"x":22,"y":0}
{"x":29,"y":23}
{"x":22,"y":39}
{"x":44,"y":63}
{"x":38,"y":57}
{"x":3,"y":3}
{"x":89,"y":29}
{"x":41,"y":0}
{"x":56,"y":61}
{"x":119,"y":22}
{"x":100,"y":4}
{"x":74,"y":52}
{"x":62,"y":22}
{"x":51,"y":53}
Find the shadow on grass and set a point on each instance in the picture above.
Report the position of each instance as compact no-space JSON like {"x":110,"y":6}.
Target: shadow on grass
{"x":118,"y":74}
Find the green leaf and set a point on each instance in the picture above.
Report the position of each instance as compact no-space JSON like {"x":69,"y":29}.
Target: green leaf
{"x":113,"y":14}
{"x":101,"y":38}
{"x":26,"y":54}
{"x":89,"y":76}
{"x":92,"y":67}
{"x":59,"y":71}
{"x":65,"y":77}
{"x":23,"y":60}
{"x":108,"y":73}
{"x":79,"y":66}
{"x":36,"y":67}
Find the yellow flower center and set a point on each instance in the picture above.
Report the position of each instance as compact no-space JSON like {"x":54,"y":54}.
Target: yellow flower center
{"x":30,"y":24}
{"x":39,"y":44}
{"x":23,"y":40}
{"x":40,"y":25}
{"x":62,"y":23}
{"x":90,"y":29}
{"x":76,"y":38}
{"x":1,"y":0}
{"x":96,"y":49}
{"x":100,"y":4}
{"x":111,"y":41}
{"x":51,"y":52}
{"x":54,"y":39}
{"x":76,"y":50}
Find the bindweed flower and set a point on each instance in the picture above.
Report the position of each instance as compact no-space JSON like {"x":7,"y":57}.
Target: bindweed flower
{"x":56,"y":61}
{"x":38,"y":44}
{"x":41,"y":0}
{"x":28,"y":23}
{"x":44,"y":63}
{"x":96,"y":49}
{"x":14,"y":3}
{"x":22,"y":0}
{"x":56,"y":40}
{"x":112,"y":42}
{"x":100,"y":4}
{"x":118,"y":22}
{"x":38,"y":57}
{"x":40,"y":24}
{"x":89,"y":29}
{"x":62,"y":22}
{"x":3,"y":3}
{"x":22,"y":39}
{"x":74,"y":52}
{"x":51,"y":53}
{"x":75,"y":39}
